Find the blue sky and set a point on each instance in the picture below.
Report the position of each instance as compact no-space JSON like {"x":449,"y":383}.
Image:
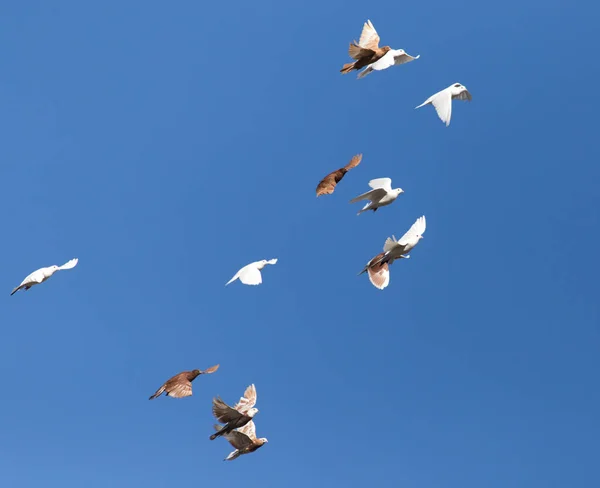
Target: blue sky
{"x":167,"y":145}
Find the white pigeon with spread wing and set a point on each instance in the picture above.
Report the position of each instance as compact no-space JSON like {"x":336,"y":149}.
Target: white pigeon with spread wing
{"x":378,"y":267}
{"x":442,"y":101}
{"x":42,"y":274}
{"x":391,"y":58}
{"x":250,"y":274}
{"x":381,"y":195}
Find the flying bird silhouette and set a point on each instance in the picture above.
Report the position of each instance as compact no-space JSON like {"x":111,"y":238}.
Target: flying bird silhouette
{"x":250,"y":274}
{"x":327,"y":185}
{"x":381,"y":195}
{"x":366,"y":51}
{"x":378,"y":267}
{"x":243,"y":440}
{"x":180,"y":385}
{"x":42,"y":274}
{"x":236,"y":417}
{"x":442,"y":101}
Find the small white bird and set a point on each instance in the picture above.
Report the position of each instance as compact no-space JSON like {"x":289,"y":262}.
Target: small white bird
{"x":442,"y":100}
{"x":391,"y":58}
{"x":378,"y":267}
{"x":43,"y":274}
{"x":381,"y":195}
{"x":250,"y":274}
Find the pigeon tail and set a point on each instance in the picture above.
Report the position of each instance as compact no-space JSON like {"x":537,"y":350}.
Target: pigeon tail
{"x":232,"y":455}
{"x":14,"y":291}
{"x":347,"y":68}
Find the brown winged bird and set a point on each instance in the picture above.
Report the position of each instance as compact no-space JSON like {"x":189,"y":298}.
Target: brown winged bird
{"x":327,"y":184}
{"x":235,"y":417}
{"x":366,"y":51}
{"x":180,"y":385}
{"x":244,"y":440}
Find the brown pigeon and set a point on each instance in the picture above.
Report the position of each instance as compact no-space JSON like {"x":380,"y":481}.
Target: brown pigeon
{"x":235,"y":417}
{"x":180,"y":385}
{"x":244,"y":440}
{"x":327,"y":184}
{"x":366,"y":51}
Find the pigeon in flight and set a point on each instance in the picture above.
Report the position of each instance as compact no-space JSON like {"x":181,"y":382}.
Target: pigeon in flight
{"x":381,"y":195}
{"x":243,"y":440}
{"x":378,"y":267}
{"x":442,"y":101}
{"x":43,"y":274}
{"x":236,"y":417}
{"x":180,"y":385}
{"x":366,"y":51}
{"x":391,"y":58}
{"x":327,"y":185}
{"x":250,"y":274}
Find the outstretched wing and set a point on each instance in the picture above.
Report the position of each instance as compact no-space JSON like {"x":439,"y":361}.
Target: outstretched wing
{"x":390,"y":243}
{"x":354,"y":162}
{"x":401,"y":57}
{"x":35,"y":277}
{"x":249,"y":429}
{"x":272,"y":261}
{"x":69,"y":264}
{"x":385,"y":183}
{"x":212,"y":369}
{"x":180,"y":389}
{"x":464,"y":96}
{"x":416,"y":229}
{"x":369,"y":39}
{"x":247,"y":401}
{"x":379,"y":275}
{"x":223,"y":412}
{"x":327,"y":185}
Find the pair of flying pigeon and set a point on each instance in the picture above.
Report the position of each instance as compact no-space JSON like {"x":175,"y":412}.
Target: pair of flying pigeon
{"x":238,"y":428}
{"x":368,"y":55}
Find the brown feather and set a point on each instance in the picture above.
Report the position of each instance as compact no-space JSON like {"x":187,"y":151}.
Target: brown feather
{"x":327,"y":185}
{"x":212,"y":369}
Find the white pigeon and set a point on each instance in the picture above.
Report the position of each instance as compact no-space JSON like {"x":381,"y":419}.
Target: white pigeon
{"x":381,"y":195}
{"x":250,"y":274}
{"x":378,"y":267}
{"x":391,"y":58}
{"x":43,"y":274}
{"x":442,"y":100}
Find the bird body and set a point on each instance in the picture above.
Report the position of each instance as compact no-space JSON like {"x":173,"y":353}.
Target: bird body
{"x":378,"y":267}
{"x":442,"y":101}
{"x":180,"y":385}
{"x":42,"y":274}
{"x":366,"y":51}
{"x":327,"y":185}
{"x":236,"y":417}
{"x":250,"y":274}
{"x":392,"y":58}
{"x":243,"y":440}
{"x":381,"y":195}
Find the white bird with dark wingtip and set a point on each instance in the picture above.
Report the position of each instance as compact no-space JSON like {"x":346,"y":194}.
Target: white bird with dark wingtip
{"x":442,"y":100}
{"x":381,"y":195}
{"x":391,"y":58}
{"x":250,"y":274}
{"x":378,"y":267}
{"x":43,"y":274}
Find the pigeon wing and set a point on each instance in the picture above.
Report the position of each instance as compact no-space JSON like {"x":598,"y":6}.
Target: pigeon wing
{"x":223,"y":412}
{"x":369,"y":39}
{"x":180,"y":389}
{"x":379,"y":275}
{"x":385,"y":183}
{"x":442,"y":102}
{"x":390,"y":243}
{"x":212,"y":369}
{"x":403,"y":57}
{"x":251,"y":276}
{"x":237,"y":439}
{"x":417,"y":228}
{"x":327,"y":185}
{"x":464,"y":96}
{"x":249,"y":429}
{"x":247,"y":401}
{"x":354,"y":162}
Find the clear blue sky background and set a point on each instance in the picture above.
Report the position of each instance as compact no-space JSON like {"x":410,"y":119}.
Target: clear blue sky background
{"x":168,"y":144}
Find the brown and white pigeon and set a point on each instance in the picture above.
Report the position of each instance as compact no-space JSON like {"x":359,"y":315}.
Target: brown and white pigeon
{"x":366,"y":51}
{"x":243,"y":440}
{"x":180,"y":385}
{"x":236,"y":417}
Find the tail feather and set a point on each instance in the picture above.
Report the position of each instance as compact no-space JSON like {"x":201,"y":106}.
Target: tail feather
{"x":220,"y":430}
{"x":14,"y":291}
{"x":347,"y":68}
{"x":232,"y":455}
{"x":158,"y":393}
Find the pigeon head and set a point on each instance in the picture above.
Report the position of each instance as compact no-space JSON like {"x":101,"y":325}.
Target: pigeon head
{"x":398,"y":191}
{"x":252,"y":412}
{"x":263,"y":440}
{"x":457,"y":88}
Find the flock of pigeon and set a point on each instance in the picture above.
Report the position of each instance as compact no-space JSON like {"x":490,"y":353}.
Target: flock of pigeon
{"x":236,"y":423}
